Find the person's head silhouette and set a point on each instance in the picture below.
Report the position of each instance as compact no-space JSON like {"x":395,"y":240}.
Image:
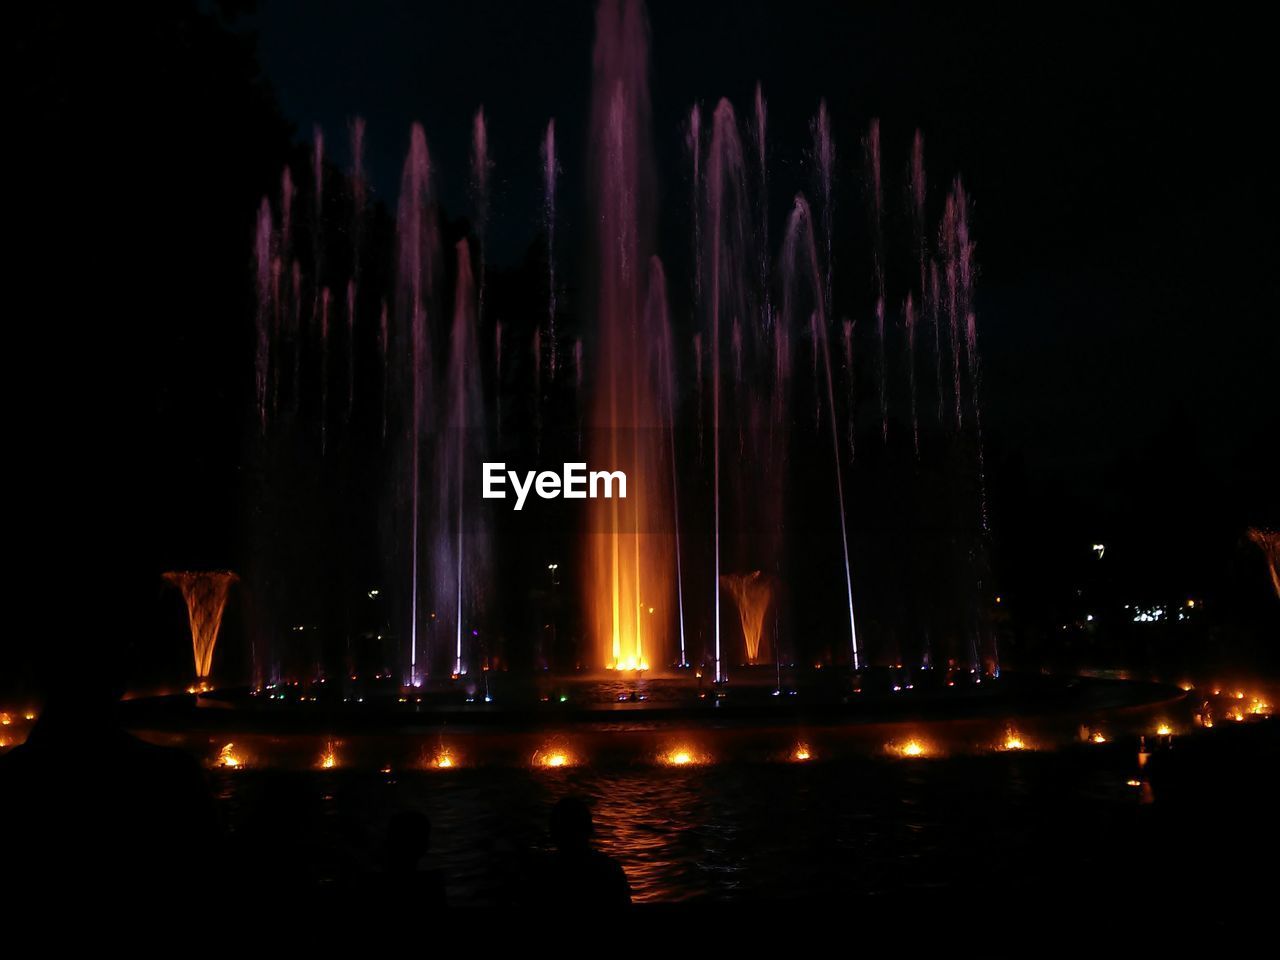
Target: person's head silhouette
{"x":571,"y":825}
{"x":408,"y":840}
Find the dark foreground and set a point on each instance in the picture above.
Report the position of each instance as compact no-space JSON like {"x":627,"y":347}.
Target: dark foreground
{"x":1138,"y":830}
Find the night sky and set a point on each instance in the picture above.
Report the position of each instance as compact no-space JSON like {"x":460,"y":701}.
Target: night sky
{"x":1119,"y":162}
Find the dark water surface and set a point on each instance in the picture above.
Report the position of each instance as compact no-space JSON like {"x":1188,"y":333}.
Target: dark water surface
{"x":878,"y":826}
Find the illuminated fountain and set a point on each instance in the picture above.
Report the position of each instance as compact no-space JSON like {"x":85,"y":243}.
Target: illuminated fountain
{"x":443,"y":759}
{"x":911,"y":749}
{"x":228,"y":758}
{"x":418,"y":245}
{"x":749,"y":393}
{"x":683,"y":755}
{"x":629,"y":588}
{"x":752,"y":592}
{"x":800,"y":263}
{"x":1268,"y":542}
{"x":692,"y":394}
{"x":1013,"y":740}
{"x":329,"y":758}
{"x":206,"y":597}
{"x":554,"y":756}
{"x":461,"y":543}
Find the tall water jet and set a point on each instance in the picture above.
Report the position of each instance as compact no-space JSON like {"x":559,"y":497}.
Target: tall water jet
{"x":287,"y":194}
{"x":934,"y":306}
{"x":698,"y":389}
{"x":847,"y":330}
{"x":359,"y":193}
{"x":961,"y":272}
{"x":752,"y":593}
{"x":497,"y":376}
{"x":289,"y":307}
{"x":747,"y":398}
{"x":317,"y":249}
{"x":659,"y":318}
{"x":724,"y":147}
{"x":351,"y":347}
{"x":916,"y":196}
{"x":296,"y":330}
{"x":461,"y":546}
{"x":317,"y":173}
{"x":578,"y":400}
{"x":537,"y":389}
{"x":326,"y":300}
{"x":693,"y":143}
{"x":951,"y":277}
{"x":628,"y":556}
{"x":325,"y":304}
{"x":273,"y":367}
{"x":799,"y":243}
{"x":909,"y":321}
{"x":206,"y":596}
{"x":264,"y":286}
{"x":549,"y":172}
{"x":359,"y":199}
{"x":481,"y":167}
{"x":824,"y":158}
{"x":417,"y":250}
{"x":762,"y":202}
{"x":875,"y":209}
{"x":383,"y":333}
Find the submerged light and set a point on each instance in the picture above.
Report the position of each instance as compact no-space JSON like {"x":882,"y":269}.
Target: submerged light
{"x":227,"y":757}
{"x":554,"y":757}
{"x":1014,"y":742}
{"x":329,"y":759}
{"x":681,"y":755}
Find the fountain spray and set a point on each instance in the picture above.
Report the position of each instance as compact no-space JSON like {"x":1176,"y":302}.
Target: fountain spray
{"x":660,"y":318}
{"x":799,"y":240}
{"x":549,"y":171}
{"x":417,"y":242}
{"x":206,"y":597}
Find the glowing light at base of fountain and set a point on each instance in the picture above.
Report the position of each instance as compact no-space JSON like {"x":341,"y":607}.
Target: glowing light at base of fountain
{"x":555,"y":757}
{"x":1013,"y":741}
{"x":683,"y":755}
{"x":329,"y":759}
{"x":228,"y":758}
{"x":912,"y":748}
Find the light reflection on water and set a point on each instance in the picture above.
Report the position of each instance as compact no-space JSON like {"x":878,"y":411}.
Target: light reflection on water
{"x":730,"y":830}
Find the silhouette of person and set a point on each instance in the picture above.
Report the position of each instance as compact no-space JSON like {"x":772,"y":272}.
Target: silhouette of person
{"x":85,"y":801}
{"x":576,"y":873}
{"x":408,"y":841}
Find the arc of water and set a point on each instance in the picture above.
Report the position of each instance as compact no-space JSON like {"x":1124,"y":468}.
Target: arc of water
{"x":800,"y":229}
{"x":658,"y":305}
